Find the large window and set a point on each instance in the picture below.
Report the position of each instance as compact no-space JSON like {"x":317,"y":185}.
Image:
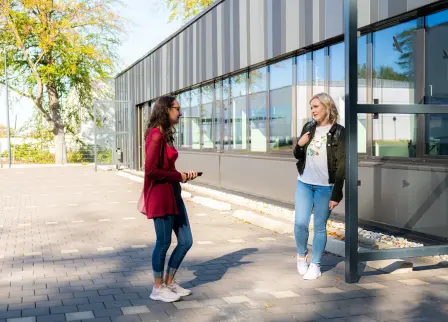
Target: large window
{"x":319,"y":71}
{"x":258,"y":113}
{"x":403,"y":64}
{"x":185,"y":121}
{"x":394,"y":135}
{"x":393,"y":64}
{"x":362,"y":93}
{"x":227,"y":113}
{"x":217,"y":123}
{"x":239,"y":111}
{"x":195,"y":111}
{"x":206,"y":116}
{"x":436,"y":131}
{"x":280,"y":115}
{"x":337,"y":78}
{"x":303,"y":66}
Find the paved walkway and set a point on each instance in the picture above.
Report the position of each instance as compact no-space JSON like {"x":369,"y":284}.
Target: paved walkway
{"x":74,"y":248}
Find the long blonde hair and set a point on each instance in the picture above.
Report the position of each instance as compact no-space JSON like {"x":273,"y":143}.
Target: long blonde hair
{"x":330,"y":106}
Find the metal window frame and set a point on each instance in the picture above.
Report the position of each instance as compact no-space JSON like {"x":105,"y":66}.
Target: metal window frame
{"x":352,"y":108}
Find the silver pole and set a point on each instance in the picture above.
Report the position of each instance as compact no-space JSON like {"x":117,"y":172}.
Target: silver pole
{"x":7,"y":110}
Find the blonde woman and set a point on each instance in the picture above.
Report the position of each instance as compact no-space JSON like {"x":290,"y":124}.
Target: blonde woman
{"x":320,"y":152}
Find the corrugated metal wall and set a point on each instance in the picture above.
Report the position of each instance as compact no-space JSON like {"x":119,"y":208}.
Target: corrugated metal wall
{"x":236,"y":34}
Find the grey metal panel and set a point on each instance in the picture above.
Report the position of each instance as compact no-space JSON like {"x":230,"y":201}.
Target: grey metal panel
{"x":209,"y":46}
{"x":292,"y":25}
{"x":214,"y":50}
{"x":318,"y":25}
{"x":334,"y":22}
{"x":363,"y":12}
{"x":182,"y":59}
{"x":204,"y":44}
{"x":383,"y":9}
{"x":235,"y":35}
{"x":219,"y":39}
{"x":374,"y":13}
{"x":397,"y":6}
{"x":194,"y":52}
{"x":269,"y":28}
{"x":243,"y":32}
{"x":306,"y":8}
{"x":176,"y":70}
{"x":413,"y":4}
{"x":257,"y":31}
{"x":226,"y":55}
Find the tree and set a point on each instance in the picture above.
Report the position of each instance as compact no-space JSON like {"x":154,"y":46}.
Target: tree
{"x":185,"y":9}
{"x":4,"y":131}
{"x":61,"y":46}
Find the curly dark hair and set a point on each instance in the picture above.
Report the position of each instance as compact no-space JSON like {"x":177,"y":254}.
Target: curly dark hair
{"x":160,"y":118}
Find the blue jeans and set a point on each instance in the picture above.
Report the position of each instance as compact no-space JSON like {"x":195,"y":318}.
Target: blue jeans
{"x":164,"y":227}
{"x":307,"y":196}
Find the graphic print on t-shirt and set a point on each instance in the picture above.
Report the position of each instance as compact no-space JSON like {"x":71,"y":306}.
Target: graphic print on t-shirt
{"x":316,"y":145}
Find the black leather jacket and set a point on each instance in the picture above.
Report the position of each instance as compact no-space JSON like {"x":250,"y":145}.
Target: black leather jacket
{"x":335,"y":158}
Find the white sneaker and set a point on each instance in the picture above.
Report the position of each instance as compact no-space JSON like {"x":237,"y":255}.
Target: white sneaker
{"x":163,"y":294}
{"x":179,"y":290}
{"x":312,"y":273}
{"x":302,"y":265}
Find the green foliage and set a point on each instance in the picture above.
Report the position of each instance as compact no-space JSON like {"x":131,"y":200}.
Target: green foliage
{"x":185,"y":9}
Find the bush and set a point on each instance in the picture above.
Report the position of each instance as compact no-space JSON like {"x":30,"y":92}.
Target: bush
{"x":31,"y":153}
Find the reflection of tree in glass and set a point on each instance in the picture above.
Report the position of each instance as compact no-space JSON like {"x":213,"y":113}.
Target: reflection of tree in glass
{"x":403,"y":43}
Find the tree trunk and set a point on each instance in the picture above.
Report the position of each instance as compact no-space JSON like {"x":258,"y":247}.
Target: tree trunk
{"x":58,"y":126}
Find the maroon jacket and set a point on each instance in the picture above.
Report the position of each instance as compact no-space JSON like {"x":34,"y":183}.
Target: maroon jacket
{"x":157,"y":188}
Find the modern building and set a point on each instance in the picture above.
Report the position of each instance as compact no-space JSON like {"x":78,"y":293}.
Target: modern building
{"x":245,"y":70}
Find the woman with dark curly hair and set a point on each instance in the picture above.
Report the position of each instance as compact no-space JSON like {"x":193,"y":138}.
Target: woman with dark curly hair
{"x":162,"y":198}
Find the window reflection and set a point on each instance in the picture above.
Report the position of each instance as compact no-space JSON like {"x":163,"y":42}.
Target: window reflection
{"x":218,"y":115}
{"x":185,"y":121}
{"x":318,"y":71}
{"x":394,"y":135}
{"x":206,"y":116}
{"x":393,"y":64}
{"x":227,"y":113}
{"x":239,"y":111}
{"x":195,"y":118}
{"x":258,"y":119}
{"x":281,"y":105}
{"x":303,"y":63}
{"x":436,"y":130}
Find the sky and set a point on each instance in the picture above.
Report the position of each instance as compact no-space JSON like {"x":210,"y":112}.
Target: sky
{"x":146,"y":25}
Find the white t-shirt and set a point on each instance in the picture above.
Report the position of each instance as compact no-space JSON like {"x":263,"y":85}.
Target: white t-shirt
{"x":316,"y":167}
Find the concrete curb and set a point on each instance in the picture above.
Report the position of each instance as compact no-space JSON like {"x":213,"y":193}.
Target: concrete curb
{"x":264,"y":222}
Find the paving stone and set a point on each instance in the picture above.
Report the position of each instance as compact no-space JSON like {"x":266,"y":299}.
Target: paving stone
{"x":36,"y":312}
{"x":135,"y":310}
{"x":236,"y":299}
{"x":52,"y":318}
{"x":284,"y":294}
{"x":127,"y":318}
{"x":187,"y":304}
{"x":86,"y":315}
{"x":25,"y":319}
{"x":413,"y":282}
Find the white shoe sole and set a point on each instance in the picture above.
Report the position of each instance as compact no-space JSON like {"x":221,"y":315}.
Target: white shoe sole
{"x":312,"y":278}
{"x":302,"y":273}
{"x":159,"y":298}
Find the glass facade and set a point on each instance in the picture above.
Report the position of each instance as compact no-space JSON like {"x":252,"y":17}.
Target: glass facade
{"x":258,"y":110}
{"x":264,"y":110}
{"x":280,"y":105}
{"x":207,"y":94}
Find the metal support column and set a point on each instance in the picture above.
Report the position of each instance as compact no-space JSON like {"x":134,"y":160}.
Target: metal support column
{"x":351,"y":102}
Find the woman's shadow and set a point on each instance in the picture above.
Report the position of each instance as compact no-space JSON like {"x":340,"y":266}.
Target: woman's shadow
{"x":215,"y":269}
